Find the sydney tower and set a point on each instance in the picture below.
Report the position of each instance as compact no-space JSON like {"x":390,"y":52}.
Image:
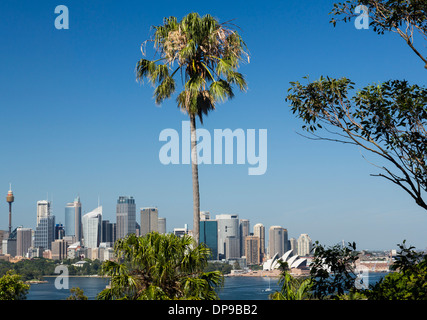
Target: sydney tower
{"x":10,"y":198}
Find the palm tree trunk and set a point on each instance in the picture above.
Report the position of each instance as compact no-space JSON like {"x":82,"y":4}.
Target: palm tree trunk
{"x":195,"y":175}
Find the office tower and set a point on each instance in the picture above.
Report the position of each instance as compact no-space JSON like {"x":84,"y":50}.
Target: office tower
{"x":294,"y":246}
{"x":73,"y":219}
{"x":92,"y":228}
{"x":23,"y":241}
{"x":44,"y":234}
{"x":228,"y":226}
{"x":43,"y":209}
{"x":125,"y":216}
{"x":278,"y":241}
{"x":259,"y":231}
{"x":232,"y":247}
{"x":9,"y":199}
{"x":149,"y":220}
{"x":252,"y":249}
{"x":107,"y":231}
{"x":9,"y":246}
{"x":161,"y":224}
{"x":304,"y":245}
{"x":209,"y":236}
{"x":244,"y":232}
{"x":59,"y":231}
{"x":59,"y":249}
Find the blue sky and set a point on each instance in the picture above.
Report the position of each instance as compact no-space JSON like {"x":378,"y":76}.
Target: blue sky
{"x":75,"y":121}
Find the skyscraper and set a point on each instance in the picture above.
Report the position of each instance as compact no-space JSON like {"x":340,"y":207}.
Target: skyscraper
{"x":149,"y":220}
{"x":277,"y":241}
{"x":43,"y":209}
{"x":259,"y":231}
{"x":209,"y":236}
{"x":92,"y":228}
{"x":252,"y":249}
{"x":244,"y":232}
{"x":73,"y":219}
{"x":228,"y":226}
{"x":45,"y":232}
{"x":23,"y":241}
{"x":161,"y":224}
{"x":125,"y":216}
{"x":304,"y":245}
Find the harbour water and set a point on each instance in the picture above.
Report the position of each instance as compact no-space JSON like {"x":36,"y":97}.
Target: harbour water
{"x":235,"y":288}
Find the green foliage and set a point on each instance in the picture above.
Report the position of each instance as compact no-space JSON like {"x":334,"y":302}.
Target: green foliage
{"x":332,"y":270}
{"x":77,"y":294}
{"x":29,"y":269}
{"x":160,"y":267}
{"x":407,"y":282}
{"x":12,"y":287}
{"x":204,"y":53}
{"x":224,"y":268}
{"x":388,"y":120}
{"x":292,"y":288}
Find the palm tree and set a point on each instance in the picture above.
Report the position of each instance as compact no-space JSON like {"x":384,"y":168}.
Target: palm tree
{"x":160,"y":267}
{"x":206,"y":55}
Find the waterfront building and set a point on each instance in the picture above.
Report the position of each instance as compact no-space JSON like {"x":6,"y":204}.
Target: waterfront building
{"x":125,"y":216}
{"x":305,"y":245}
{"x":252,"y":250}
{"x":73,"y":219}
{"x":92,"y":228}
{"x":23,"y":241}
{"x":149,"y":220}
{"x":228,"y":226}
{"x":209,"y":236}
{"x":259,"y":231}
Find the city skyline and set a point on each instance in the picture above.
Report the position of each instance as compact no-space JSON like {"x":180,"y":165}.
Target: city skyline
{"x":78,"y":123}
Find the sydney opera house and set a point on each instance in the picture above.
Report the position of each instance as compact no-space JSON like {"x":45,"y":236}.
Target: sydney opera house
{"x":293,"y":261}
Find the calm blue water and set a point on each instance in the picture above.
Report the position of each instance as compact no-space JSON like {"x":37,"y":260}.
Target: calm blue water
{"x":235,"y":288}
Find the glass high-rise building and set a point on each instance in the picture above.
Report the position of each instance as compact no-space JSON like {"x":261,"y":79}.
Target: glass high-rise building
{"x":209,"y":236}
{"x":73,"y":219}
{"x":92,"y":228}
{"x":125,"y":216}
{"x":228,"y":226}
{"x":45,"y":232}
